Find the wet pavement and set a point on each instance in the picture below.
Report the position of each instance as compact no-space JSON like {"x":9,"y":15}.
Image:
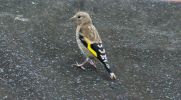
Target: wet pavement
{"x":37,"y":48}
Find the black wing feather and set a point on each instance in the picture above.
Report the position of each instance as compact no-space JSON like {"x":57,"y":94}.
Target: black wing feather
{"x":101,"y":55}
{"x":82,"y":40}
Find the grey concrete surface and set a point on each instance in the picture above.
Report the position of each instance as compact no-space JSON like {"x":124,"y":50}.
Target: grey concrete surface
{"x":37,"y":48}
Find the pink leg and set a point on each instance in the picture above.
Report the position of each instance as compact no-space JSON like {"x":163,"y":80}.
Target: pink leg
{"x":92,"y":63}
{"x":82,"y":64}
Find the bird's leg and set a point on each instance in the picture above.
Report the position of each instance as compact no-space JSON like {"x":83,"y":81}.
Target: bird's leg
{"x":82,"y":64}
{"x":92,"y":63}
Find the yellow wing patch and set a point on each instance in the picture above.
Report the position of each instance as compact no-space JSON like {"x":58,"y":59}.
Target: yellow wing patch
{"x":89,"y":47}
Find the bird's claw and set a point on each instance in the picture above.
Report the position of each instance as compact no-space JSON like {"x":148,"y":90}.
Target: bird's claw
{"x":79,"y":65}
{"x":112,"y":76}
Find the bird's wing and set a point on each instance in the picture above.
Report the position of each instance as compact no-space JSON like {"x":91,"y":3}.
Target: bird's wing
{"x":88,"y":44}
{"x":97,"y":50}
{"x":90,"y":32}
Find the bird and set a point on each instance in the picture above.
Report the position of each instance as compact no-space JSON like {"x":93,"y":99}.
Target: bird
{"x":89,"y":42}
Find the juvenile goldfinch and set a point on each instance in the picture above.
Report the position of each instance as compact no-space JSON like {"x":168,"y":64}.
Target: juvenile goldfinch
{"x":89,"y":42}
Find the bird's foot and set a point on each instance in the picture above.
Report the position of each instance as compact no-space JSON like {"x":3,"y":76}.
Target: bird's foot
{"x":112,"y":76}
{"x":79,"y":65}
{"x":92,"y":63}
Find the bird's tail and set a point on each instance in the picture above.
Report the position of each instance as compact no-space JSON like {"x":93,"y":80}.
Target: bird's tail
{"x":98,"y":51}
{"x":112,"y":75}
{"x":103,"y":58}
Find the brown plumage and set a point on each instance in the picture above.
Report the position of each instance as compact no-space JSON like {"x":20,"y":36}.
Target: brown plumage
{"x":89,"y":42}
{"x":94,"y":36}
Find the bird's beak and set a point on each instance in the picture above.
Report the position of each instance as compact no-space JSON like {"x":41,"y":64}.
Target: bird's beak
{"x":73,"y":18}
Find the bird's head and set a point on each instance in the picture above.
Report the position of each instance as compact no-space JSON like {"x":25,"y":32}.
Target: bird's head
{"x":81,"y":18}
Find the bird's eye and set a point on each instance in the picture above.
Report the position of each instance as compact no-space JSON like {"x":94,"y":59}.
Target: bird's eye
{"x":79,"y":16}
